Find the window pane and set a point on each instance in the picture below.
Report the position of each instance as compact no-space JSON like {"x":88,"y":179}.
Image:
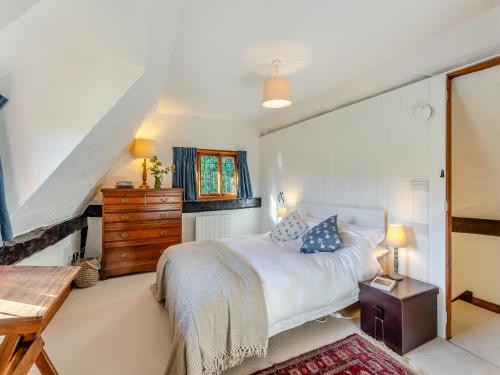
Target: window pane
{"x":209,"y":174}
{"x":228,"y":175}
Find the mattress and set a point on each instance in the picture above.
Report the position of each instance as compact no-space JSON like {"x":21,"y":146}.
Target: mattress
{"x":302,"y":287}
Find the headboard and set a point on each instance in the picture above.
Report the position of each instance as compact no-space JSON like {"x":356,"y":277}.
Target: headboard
{"x":353,"y":215}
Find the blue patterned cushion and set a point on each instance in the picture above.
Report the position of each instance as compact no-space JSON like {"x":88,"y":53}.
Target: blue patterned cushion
{"x":290,"y":228}
{"x":324,"y":237}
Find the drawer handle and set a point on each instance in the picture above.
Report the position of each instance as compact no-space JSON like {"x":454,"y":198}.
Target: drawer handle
{"x":124,"y":255}
{"x":124,"y":200}
{"x":164,"y":199}
{"x":163,"y":215}
{"x":124,"y":235}
{"x":163,"y":232}
{"x":125,"y":217}
{"x":379,"y":311}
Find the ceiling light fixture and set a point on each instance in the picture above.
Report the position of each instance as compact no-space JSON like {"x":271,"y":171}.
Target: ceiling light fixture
{"x":276,"y":90}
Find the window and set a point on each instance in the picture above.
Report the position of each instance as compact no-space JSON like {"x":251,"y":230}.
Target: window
{"x":217,"y":174}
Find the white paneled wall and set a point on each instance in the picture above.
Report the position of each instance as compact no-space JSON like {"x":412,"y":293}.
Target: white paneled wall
{"x":366,"y":155}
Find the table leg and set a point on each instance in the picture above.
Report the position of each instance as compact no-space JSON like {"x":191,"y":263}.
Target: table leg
{"x":26,"y":354}
{"x":45,"y":365}
{"x":7,"y":350}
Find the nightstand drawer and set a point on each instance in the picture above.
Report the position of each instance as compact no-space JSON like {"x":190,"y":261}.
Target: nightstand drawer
{"x":404,"y":318}
{"x":381,"y":318}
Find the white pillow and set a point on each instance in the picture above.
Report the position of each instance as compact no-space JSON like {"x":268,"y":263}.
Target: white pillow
{"x":312,"y":221}
{"x":290,"y":228}
{"x":373,"y":235}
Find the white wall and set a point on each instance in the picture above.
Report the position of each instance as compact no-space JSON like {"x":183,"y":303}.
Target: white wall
{"x":57,"y":94}
{"x":171,"y":130}
{"x":59,"y":254}
{"x":365,"y":155}
{"x":475,"y":181}
{"x":475,"y":261}
{"x":69,"y":118}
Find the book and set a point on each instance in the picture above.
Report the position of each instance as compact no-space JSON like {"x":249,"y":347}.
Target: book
{"x":124,"y":184}
{"x":383,"y":283}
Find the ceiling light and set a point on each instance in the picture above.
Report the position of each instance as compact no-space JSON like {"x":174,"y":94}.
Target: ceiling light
{"x":276,"y":90}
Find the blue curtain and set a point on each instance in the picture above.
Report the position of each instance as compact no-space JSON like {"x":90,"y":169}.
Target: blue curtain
{"x":185,"y":172}
{"x":244,"y":183}
{"x":5,"y":227}
{"x":3,"y":100}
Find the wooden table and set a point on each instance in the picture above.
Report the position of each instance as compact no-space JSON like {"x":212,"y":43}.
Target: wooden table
{"x":29,"y":299}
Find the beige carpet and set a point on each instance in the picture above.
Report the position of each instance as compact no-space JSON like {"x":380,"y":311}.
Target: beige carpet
{"x":117,"y":328}
{"x":476,"y":330}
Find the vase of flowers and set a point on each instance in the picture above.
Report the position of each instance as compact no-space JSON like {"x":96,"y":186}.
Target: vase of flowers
{"x":158,"y":171}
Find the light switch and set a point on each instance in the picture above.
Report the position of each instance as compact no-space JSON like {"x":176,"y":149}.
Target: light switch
{"x":419,"y":185}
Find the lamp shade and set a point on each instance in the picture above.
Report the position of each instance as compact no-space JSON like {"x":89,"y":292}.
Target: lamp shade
{"x":396,"y":236}
{"x":276,"y":93}
{"x":143,"y":148}
{"x":282,"y":212}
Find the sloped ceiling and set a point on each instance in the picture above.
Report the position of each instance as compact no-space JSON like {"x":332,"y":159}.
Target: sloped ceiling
{"x":334,"y":51}
{"x":77,"y":96}
{"x":475,"y":152}
{"x":11,"y":10}
{"x":82,"y":75}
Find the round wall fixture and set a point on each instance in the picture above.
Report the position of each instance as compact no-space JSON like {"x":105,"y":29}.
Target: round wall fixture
{"x":422,"y":111}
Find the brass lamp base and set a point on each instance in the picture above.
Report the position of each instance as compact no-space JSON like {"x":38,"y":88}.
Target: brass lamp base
{"x":144,"y":184}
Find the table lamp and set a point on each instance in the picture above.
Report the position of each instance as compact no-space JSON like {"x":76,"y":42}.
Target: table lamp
{"x":144,"y":149}
{"x":396,"y":238}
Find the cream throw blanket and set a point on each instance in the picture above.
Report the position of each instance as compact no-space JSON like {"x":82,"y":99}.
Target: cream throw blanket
{"x":216,"y":306}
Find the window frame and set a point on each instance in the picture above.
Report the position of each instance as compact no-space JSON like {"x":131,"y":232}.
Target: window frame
{"x":220,"y":154}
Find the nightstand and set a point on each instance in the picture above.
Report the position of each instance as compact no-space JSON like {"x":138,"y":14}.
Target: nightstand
{"x":404,"y":318}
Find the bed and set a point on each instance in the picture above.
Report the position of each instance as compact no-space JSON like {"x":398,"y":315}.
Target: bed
{"x":295,"y":287}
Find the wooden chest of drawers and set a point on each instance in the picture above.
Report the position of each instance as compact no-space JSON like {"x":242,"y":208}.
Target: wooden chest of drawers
{"x":137,"y":226}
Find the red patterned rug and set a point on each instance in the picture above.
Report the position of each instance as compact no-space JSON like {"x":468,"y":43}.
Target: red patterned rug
{"x":353,"y":355}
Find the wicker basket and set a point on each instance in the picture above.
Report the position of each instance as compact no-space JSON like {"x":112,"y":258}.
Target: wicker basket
{"x":89,"y":274}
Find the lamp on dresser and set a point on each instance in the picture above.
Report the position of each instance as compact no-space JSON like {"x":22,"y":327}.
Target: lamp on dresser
{"x":396,"y":237}
{"x":144,"y":149}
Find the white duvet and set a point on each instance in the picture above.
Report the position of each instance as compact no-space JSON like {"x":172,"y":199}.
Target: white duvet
{"x":302,"y":287}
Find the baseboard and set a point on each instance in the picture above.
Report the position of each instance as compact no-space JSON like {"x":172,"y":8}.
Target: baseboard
{"x":468,"y":296}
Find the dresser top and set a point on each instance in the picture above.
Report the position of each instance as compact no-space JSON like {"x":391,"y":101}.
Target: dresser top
{"x":406,"y":288}
{"x":125,"y":190}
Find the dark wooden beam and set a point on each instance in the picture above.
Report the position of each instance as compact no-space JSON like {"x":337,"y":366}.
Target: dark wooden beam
{"x":475,"y":68}
{"x":487,"y":227}
{"x":468,"y":297}
{"x":32,"y":242}
{"x":95,"y":210}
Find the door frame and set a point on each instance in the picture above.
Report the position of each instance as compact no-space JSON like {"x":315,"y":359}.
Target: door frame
{"x":490,"y":63}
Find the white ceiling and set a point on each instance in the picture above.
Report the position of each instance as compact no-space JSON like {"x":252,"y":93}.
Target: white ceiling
{"x":11,"y":10}
{"x":225,"y":48}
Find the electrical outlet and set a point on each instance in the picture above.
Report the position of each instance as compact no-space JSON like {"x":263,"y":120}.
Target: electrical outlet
{"x":419,"y":185}
{"x":68,"y":255}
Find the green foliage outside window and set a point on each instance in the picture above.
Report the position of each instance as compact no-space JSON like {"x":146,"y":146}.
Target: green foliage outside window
{"x":209,"y":174}
{"x":209,"y":178}
{"x":228,"y":174}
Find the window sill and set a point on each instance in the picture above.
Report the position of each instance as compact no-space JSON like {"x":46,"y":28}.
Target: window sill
{"x":95,"y":210}
{"x":220,"y":204}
